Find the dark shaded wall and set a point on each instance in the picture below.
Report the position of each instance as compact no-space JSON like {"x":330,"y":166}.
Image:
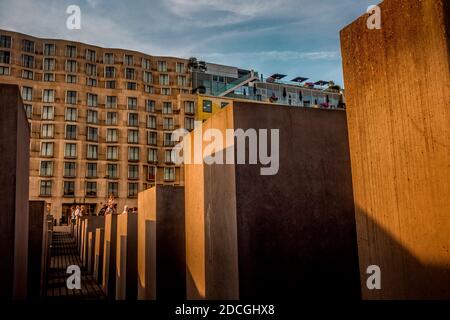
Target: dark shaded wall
{"x":397,"y":83}
{"x":14,"y":157}
{"x":296,"y":229}
{"x":36,"y":248}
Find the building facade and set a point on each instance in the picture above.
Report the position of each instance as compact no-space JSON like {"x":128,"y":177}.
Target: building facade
{"x":101,"y":119}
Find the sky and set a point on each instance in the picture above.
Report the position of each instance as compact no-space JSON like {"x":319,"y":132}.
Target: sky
{"x":292,"y":37}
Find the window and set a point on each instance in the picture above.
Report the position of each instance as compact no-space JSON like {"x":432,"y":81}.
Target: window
{"x":168,"y":124}
{"x":167,"y":108}
{"x":110,"y":84}
{"x":113,"y":189}
{"x":92,"y":100}
{"x":70,"y":78}
{"x":49,"y":49}
{"x":165,"y":91}
{"x":111,"y":118}
{"x":4,"y":71}
{"x":49,"y":77}
{"x":91,"y":189}
{"x":28,"y":110}
{"x":48,"y":95}
{"x":149,"y":89}
{"x":168,"y":140}
{"x":92,"y":152}
{"x":27,"y":74}
{"x":169,"y":174}
{"x":164,"y":79}
{"x":129,"y":73}
{"x":71,"y":132}
{"x":27,"y":61}
{"x":152,"y":155}
{"x":128,"y":60}
{"x":189,"y":123}
{"x":133,"y":153}
{"x":91,"y":170}
{"x":182,"y":81}
{"x":91,"y":55}
{"x":91,"y":70}
{"x":133,"y":120}
{"x":180,"y":67}
{"x":112,"y":135}
{"x":162,"y":66}
{"x":71,"y":97}
{"x":92,"y":116}
{"x":71,"y":114}
{"x":133,"y":136}
{"x":151,"y":122}
{"x":151,"y":173}
{"x":46,"y":188}
{"x":132,"y":189}
{"x":111,"y":171}
{"x":112,"y":153}
{"x":48,"y":113}
{"x":47,"y":131}
{"x":146,"y":64}
{"x":69,"y":188}
{"x":152,"y":138}
{"x":71,"y":51}
{"x":70,"y":150}
{"x":111,"y":102}
{"x":207,"y":106}
{"x":147,"y":77}
{"x":5,"y":57}
{"x":49,"y":64}
{"x":131,"y":86}
{"x":132,"y":103}
{"x":168,"y":156}
{"x":71,"y":66}
{"x":69,"y":169}
{"x":149,"y":105}
{"x":27,"y":93}
{"x":47,"y":149}
{"x":46,"y":169}
{"x":133,"y":171}
{"x":28,"y":46}
{"x":91,"y":82}
{"x":5,"y":41}
{"x":109,"y":58}
{"x":92,"y":134}
{"x":110,"y":72}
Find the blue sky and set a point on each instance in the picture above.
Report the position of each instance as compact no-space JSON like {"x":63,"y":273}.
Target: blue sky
{"x":294,"y":37}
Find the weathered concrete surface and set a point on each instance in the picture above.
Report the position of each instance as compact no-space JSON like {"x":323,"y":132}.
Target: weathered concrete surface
{"x":397,"y":83}
{"x":99,"y":254}
{"x":126,"y":257}
{"x":109,"y":257}
{"x":161,"y":244}
{"x":14,"y":158}
{"x":254,"y":236}
{"x":89,"y":224}
{"x":36,"y":248}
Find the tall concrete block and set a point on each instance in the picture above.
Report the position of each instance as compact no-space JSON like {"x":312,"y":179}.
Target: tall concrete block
{"x":36,"y":248}
{"x":161,"y":244}
{"x":98,"y":254}
{"x":109,"y":257}
{"x":126,"y":257}
{"x":89,"y":225}
{"x":397,"y":83}
{"x":14,"y":158}
{"x":265,"y":236}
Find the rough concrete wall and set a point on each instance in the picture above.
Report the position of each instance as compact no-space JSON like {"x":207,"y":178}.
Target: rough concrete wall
{"x":36,"y":248}
{"x":398,"y":97}
{"x":109,"y":258}
{"x":14,"y":151}
{"x":126,"y":257}
{"x":296,"y":229}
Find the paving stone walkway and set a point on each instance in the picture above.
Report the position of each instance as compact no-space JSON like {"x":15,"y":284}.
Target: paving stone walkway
{"x":64,"y":253}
